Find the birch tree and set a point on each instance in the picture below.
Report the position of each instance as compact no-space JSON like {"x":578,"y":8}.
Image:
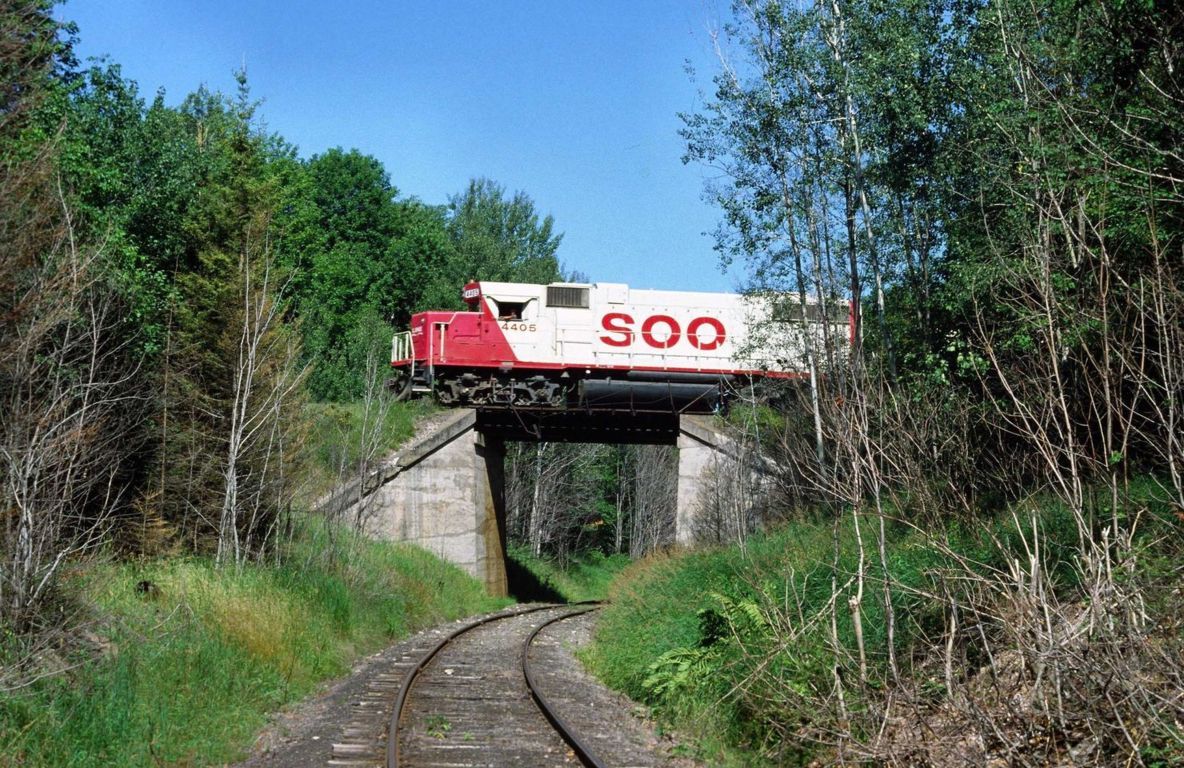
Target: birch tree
{"x":266,"y":374}
{"x":70,"y":393}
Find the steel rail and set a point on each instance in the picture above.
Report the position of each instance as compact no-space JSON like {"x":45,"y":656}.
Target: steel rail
{"x":392,"y":745}
{"x":582,"y":750}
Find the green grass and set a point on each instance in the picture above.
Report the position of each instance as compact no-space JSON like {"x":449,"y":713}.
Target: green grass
{"x":664,"y":618}
{"x":586,"y":576}
{"x":193,"y":668}
{"x":335,"y":431}
{"x":702,"y":635}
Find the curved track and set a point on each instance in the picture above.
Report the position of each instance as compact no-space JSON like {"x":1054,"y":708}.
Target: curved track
{"x":468,"y":700}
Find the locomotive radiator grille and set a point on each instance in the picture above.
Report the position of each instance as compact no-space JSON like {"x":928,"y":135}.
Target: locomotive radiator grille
{"x":567,"y":296}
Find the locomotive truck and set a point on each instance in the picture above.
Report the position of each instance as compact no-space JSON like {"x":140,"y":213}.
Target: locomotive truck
{"x":605,"y":346}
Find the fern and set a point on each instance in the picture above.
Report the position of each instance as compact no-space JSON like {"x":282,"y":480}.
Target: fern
{"x":682,"y":670}
{"x":677,"y":670}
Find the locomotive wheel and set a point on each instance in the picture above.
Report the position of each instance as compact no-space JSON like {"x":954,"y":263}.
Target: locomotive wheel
{"x":500,"y":391}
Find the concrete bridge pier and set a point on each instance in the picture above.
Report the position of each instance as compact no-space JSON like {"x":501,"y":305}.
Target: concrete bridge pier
{"x":491,"y":523}
{"x":445,"y":490}
{"x":696,"y":458}
{"x":709,"y":461}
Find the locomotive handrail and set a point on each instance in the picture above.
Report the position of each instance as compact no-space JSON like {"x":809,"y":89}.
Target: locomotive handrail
{"x":401,"y":349}
{"x":441,"y":324}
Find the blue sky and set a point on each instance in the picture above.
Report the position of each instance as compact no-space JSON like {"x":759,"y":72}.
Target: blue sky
{"x":574,"y":103}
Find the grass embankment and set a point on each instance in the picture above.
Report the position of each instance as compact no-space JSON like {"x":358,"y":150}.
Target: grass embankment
{"x":586,"y":576}
{"x":337,"y":434}
{"x":734,"y":645}
{"x":190,"y":668}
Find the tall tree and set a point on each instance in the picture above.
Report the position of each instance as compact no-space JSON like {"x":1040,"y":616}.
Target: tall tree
{"x":500,"y":237}
{"x":348,"y":274}
{"x":1000,"y":184}
{"x":70,"y":391}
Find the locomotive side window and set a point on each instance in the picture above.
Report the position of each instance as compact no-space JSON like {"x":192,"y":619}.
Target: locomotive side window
{"x":510,"y":310}
{"x":516,"y":310}
{"x":567,"y":296}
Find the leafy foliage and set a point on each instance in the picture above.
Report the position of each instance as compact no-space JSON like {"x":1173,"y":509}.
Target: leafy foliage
{"x":501,"y":238}
{"x":235,"y":278}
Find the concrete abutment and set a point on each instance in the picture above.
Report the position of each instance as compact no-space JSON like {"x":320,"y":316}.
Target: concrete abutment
{"x":445,"y":490}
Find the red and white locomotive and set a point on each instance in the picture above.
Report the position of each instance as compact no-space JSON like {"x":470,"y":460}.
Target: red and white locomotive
{"x":601,"y":346}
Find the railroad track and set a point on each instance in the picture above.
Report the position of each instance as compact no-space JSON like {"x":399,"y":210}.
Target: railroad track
{"x":474,"y":699}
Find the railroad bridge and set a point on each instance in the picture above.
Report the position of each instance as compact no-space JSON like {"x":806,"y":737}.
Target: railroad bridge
{"x":444,"y":490}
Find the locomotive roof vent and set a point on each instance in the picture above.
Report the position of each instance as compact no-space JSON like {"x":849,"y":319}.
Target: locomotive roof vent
{"x":569,"y":296}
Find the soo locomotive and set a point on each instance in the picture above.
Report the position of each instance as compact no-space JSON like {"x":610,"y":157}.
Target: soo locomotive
{"x":602,"y":346}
